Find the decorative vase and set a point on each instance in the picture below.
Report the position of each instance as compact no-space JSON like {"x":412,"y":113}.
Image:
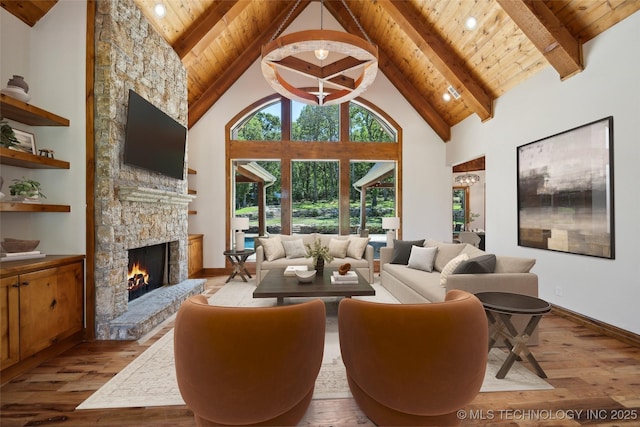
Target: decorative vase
{"x":319,"y":266}
{"x":18,"y":81}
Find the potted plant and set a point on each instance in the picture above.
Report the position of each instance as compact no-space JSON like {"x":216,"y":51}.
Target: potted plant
{"x":7,"y":136}
{"x":470,"y":218}
{"x":26,"y":189}
{"x":320,"y":254}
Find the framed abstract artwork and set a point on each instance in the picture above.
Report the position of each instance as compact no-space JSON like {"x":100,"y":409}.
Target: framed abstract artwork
{"x":565,"y":191}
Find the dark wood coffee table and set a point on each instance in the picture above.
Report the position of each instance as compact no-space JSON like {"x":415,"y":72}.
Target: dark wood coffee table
{"x":276,"y":285}
{"x":500,"y":306}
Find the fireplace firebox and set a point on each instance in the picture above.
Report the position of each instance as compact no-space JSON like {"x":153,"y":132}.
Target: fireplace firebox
{"x":147,"y":269}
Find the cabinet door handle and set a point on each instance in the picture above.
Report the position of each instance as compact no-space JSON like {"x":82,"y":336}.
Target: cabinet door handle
{"x":25,"y":283}
{"x":53,"y":303}
{"x":16,"y":285}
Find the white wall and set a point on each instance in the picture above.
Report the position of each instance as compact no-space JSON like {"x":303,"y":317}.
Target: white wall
{"x":606,"y":290}
{"x":51,"y":57}
{"x":427,"y":202}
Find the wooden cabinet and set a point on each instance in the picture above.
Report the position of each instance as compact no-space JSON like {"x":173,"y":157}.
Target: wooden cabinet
{"x":41,"y":305}
{"x":195,"y":254}
{"x":50,"y":306}
{"x":41,"y":299}
{"x":9,"y":321}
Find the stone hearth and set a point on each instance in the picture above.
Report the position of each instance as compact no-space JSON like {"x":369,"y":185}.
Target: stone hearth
{"x":149,"y":310}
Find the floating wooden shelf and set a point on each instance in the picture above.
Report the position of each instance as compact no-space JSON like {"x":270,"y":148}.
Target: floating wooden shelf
{"x":29,"y":161}
{"x":32,"y":207}
{"x":29,"y":114}
{"x":191,"y":191}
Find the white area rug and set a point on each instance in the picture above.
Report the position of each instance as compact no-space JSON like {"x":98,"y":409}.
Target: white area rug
{"x":150,"y":380}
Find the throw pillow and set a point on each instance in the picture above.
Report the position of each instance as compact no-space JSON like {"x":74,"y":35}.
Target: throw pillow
{"x":402,"y":250}
{"x":357,"y":246}
{"x":446,"y":252}
{"x":451,"y":265}
{"x":273,"y":248}
{"x":338,"y":248}
{"x":508,"y":264}
{"x":294,"y":248}
{"x":478,"y":265}
{"x":422,"y":258}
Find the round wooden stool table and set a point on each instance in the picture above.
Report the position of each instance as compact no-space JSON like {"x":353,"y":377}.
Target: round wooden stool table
{"x":237,"y":260}
{"x":500,"y":306}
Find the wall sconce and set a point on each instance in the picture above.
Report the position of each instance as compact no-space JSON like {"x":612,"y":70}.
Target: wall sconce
{"x":391,"y":224}
{"x":238,"y":224}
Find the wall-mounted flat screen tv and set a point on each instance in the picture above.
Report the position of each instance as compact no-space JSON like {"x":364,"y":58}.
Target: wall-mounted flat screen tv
{"x":154,"y":141}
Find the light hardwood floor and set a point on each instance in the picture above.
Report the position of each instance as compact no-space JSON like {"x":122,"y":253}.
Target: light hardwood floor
{"x":596,"y":379}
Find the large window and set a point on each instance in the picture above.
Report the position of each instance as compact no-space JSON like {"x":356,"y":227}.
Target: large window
{"x":313,"y":123}
{"x":263,"y":125}
{"x":367,"y":126}
{"x":315,"y":197}
{"x":299,"y":168}
{"x":460,"y":208}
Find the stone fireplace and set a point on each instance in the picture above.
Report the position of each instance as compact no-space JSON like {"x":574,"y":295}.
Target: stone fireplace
{"x":147,"y":270}
{"x":135,"y":207}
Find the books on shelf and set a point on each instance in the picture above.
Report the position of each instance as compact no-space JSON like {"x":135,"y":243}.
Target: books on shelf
{"x":291,"y":269}
{"x":12,"y":254}
{"x":17,"y":256}
{"x":350,"y":278}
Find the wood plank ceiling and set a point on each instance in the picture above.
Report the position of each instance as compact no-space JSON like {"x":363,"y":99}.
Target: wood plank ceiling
{"x":424,"y":46}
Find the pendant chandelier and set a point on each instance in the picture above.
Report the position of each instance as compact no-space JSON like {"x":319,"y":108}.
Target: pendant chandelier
{"x":341,"y":65}
{"x":467,"y":179}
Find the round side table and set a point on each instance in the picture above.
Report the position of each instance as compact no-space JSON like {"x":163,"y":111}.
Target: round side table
{"x":500,"y":306}
{"x":237,"y":260}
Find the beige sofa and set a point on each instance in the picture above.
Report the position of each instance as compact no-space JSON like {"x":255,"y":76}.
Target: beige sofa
{"x":412,"y":285}
{"x":358,"y":253}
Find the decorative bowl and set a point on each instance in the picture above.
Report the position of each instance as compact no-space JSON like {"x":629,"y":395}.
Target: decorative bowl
{"x":17,"y":93}
{"x":305,"y":276}
{"x":17,"y":245}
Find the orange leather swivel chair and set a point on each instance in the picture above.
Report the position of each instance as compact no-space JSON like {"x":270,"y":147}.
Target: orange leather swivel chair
{"x":248,"y":365}
{"x":414,"y":364}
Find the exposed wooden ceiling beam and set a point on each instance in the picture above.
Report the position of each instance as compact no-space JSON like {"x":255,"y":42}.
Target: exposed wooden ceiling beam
{"x":253,"y":51}
{"x":395,"y":76}
{"x":28,"y":11}
{"x":413,"y":97}
{"x":440,"y":55}
{"x":205,"y":30}
{"x":546,"y":32}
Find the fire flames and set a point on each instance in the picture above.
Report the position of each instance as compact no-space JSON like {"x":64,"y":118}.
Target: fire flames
{"x":138,"y":277}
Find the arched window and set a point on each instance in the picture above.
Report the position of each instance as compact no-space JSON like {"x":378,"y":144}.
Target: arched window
{"x":297,"y":168}
{"x":367,"y":126}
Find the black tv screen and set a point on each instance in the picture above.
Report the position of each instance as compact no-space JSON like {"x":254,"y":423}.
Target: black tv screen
{"x":153,"y":141}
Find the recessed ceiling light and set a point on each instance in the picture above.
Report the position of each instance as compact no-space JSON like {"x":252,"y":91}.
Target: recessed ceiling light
{"x":160,"y":10}
{"x":471,"y":23}
{"x":453,"y":92}
{"x":446,"y":97}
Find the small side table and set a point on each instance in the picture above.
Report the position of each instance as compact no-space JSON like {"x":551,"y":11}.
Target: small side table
{"x":237,"y":259}
{"x":500,"y":306}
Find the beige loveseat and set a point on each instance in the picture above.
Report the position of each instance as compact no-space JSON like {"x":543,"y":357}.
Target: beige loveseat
{"x":410,"y":284}
{"x":280,"y":251}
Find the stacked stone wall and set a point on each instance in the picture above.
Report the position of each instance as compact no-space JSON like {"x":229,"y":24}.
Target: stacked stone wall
{"x":131,"y":55}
